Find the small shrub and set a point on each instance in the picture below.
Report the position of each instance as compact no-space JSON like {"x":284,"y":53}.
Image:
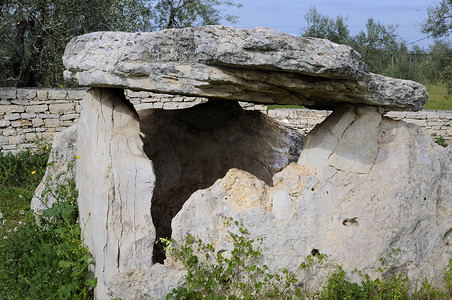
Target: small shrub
{"x":229,"y":275}
{"x":440,"y":141}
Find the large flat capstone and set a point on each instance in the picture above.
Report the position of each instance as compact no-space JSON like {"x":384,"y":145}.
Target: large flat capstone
{"x":257,"y":65}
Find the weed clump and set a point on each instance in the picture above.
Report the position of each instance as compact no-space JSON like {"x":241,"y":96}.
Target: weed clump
{"x":49,"y":260}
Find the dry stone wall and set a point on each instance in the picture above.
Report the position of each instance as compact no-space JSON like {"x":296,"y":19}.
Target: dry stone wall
{"x":437,"y":122}
{"x":30,"y":113}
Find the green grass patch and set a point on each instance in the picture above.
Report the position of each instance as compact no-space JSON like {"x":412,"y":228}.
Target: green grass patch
{"x":438,"y":98}
{"x":46,"y":261}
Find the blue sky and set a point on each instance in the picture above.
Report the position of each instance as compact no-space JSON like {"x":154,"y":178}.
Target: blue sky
{"x":288,"y":15}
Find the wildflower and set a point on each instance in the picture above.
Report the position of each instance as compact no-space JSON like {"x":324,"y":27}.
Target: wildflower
{"x":187,"y":233}
{"x":33,"y":173}
{"x":21,"y":211}
{"x":47,"y":147}
{"x":20,"y":196}
{"x":20,"y":222}
{"x":5,"y":237}
{"x":77,"y":157}
{"x":15,"y":229}
{"x":1,"y":215}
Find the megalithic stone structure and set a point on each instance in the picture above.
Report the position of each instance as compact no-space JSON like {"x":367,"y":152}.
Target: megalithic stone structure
{"x":362,"y":185}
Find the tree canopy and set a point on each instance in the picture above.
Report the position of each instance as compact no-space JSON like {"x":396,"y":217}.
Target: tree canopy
{"x":439,"y":19}
{"x":335,"y":30}
{"x":34,"y":33}
{"x":385,"y":52}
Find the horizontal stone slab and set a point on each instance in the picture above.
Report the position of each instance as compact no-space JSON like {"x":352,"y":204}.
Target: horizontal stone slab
{"x":255,"y":65}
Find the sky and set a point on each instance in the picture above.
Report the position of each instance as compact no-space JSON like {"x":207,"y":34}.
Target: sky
{"x":288,"y":15}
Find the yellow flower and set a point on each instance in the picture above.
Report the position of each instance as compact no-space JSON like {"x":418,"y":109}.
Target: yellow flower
{"x":47,"y":147}
{"x":77,"y":157}
{"x":33,"y":173}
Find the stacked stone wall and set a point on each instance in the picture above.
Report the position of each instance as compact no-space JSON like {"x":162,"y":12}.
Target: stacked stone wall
{"x":27,"y":114}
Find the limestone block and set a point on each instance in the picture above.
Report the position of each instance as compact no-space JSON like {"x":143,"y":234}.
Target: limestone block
{"x":170,"y":105}
{"x":76,"y":94}
{"x":135,"y":101}
{"x":357,"y":149}
{"x":9,"y":131}
{"x":4,"y":123}
{"x":139,"y":94}
{"x":37,"y":108}
{"x":51,"y":123}
{"x":255,"y":65}
{"x":62,"y":108}
{"x":20,"y":123}
{"x":49,"y":134}
{"x":29,"y":137}
{"x":57,"y":94}
{"x":27,"y":94}
{"x":48,"y":116}
{"x":12,"y":108}
{"x":322,"y":141}
{"x":66,"y":123}
{"x":67,"y":117}
{"x":9,"y":147}
{"x":20,"y":102}
{"x":27,"y":145}
{"x":24,"y":130}
{"x":3,"y":140}
{"x":36,"y":122}
{"x":115,"y":180}
{"x":10,"y":93}
{"x":17,"y":139}
{"x":404,"y":201}
{"x":422,"y":123}
{"x":145,"y":106}
{"x":28,"y":116}
{"x":41,"y":95}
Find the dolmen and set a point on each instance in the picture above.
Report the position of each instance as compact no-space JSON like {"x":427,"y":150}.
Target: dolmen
{"x":358,"y":186}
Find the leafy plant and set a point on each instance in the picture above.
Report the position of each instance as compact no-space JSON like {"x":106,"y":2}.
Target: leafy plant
{"x":440,"y":140}
{"x":235,"y":274}
{"x":49,"y":260}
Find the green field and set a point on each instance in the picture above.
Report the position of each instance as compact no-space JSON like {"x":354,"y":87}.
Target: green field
{"x":438,"y":98}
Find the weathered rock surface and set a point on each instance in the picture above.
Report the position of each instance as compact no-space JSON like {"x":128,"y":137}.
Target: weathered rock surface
{"x":192,"y":148}
{"x":62,"y":153}
{"x":255,"y":65}
{"x":115,"y":180}
{"x":154,"y":283}
{"x":396,"y":192}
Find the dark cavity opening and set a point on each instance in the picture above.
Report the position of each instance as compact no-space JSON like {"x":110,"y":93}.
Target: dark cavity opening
{"x":315,"y":252}
{"x":192,"y":148}
{"x":350,"y":222}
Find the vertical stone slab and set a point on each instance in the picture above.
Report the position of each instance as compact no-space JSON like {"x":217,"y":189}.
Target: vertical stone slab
{"x":115,"y":181}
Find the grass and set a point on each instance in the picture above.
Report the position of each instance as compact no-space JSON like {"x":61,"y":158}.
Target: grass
{"x":438,"y":98}
{"x":47,"y":261}
{"x":20,"y":174}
